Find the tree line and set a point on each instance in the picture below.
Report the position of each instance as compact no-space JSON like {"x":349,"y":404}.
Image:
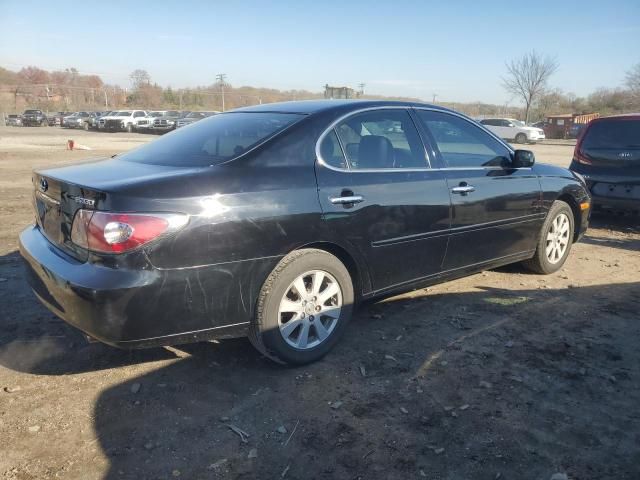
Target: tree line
{"x":526,"y":78}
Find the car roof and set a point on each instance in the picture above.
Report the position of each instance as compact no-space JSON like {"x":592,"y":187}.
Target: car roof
{"x":308,"y":107}
{"x":621,"y":115}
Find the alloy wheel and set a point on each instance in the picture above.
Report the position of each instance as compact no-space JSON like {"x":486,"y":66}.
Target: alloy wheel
{"x":558,"y":238}
{"x":310,"y":309}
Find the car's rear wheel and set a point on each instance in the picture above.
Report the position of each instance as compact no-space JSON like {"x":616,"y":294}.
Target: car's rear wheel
{"x":556,"y":238}
{"x":303,"y":307}
{"x":521,"y":138}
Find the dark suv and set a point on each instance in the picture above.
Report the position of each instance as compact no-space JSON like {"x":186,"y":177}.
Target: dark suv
{"x":607,"y":155}
{"x":34,"y":117}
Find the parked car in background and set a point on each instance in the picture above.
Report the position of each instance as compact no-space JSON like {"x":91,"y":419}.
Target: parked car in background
{"x":575,"y":130}
{"x":36,"y":118}
{"x":77,"y":120}
{"x":513,"y":130}
{"x":145,"y":124}
{"x":95,"y":119}
{"x":13,"y":121}
{"x":54,"y":119}
{"x":122,"y":120}
{"x":607,"y":155}
{"x":168,"y":121}
{"x":193,"y":117}
{"x":273,"y":221}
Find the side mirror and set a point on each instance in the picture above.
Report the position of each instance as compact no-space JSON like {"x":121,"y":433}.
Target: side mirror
{"x":523,"y":159}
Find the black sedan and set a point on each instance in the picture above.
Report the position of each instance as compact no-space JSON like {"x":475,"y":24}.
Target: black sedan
{"x":273,"y":221}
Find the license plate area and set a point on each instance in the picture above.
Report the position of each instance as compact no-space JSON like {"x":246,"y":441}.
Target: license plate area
{"x":49,"y":217}
{"x":616,"y":190}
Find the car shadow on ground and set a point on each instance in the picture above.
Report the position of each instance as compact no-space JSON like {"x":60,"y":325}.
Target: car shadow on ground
{"x":457,"y":385}
{"x":380,"y":405}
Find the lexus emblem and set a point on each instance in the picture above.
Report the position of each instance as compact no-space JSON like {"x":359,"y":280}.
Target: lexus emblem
{"x":44,"y":186}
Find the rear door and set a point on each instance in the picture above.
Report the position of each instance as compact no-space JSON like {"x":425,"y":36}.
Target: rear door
{"x":379,"y":195}
{"x":496,"y":209}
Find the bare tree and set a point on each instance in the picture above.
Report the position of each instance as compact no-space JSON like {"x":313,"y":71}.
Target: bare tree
{"x":527,"y":77}
{"x":140,"y":78}
{"x":633,"y":81}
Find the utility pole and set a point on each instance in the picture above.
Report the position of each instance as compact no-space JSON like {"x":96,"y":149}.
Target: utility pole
{"x":106,"y":100}
{"x":221,"y":78}
{"x":361,"y":87}
{"x":435,"y":95}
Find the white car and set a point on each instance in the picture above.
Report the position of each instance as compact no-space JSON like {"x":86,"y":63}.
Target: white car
{"x":512,"y":129}
{"x":146,"y":123}
{"x":122,"y":120}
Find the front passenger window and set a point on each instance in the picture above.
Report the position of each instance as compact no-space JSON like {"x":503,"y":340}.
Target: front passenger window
{"x":461,"y":143}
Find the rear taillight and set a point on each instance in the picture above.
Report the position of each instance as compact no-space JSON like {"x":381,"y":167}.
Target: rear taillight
{"x":577,"y":153}
{"x":107,"y":232}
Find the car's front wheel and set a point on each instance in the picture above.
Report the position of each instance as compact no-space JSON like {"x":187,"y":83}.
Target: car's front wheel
{"x":303,"y":307}
{"x":521,"y":138}
{"x":556,"y":238}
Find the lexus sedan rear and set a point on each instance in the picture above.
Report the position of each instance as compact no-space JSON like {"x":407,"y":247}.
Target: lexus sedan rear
{"x":274,"y":221}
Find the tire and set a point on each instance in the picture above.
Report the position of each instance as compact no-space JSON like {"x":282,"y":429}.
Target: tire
{"x":521,"y":138}
{"x":543,"y":261}
{"x":270,"y":331}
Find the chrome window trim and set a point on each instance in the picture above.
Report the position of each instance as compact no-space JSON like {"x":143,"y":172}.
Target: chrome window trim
{"x":333,"y":125}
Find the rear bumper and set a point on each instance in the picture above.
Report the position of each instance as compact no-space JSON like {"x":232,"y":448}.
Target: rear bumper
{"x":143,"y":307}
{"x":616,"y":203}
{"x":611,"y":190}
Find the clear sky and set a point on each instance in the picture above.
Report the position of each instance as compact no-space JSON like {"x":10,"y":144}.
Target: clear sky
{"x":455,"y":49}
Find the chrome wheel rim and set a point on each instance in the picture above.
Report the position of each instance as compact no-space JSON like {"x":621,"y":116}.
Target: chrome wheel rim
{"x":558,"y":238}
{"x":310,"y":309}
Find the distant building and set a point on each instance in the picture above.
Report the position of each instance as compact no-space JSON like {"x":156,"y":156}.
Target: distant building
{"x":559,"y":126}
{"x":339,"y":92}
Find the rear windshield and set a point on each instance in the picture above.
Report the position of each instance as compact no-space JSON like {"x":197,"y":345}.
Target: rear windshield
{"x":213,"y":140}
{"x":613,"y":134}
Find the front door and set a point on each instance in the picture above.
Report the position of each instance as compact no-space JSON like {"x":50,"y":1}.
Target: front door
{"x":496,"y":209}
{"x":379,"y":195}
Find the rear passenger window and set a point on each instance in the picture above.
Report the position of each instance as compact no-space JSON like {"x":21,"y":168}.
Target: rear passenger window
{"x":331,"y":152}
{"x":461,"y":143}
{"x":381,"y":139}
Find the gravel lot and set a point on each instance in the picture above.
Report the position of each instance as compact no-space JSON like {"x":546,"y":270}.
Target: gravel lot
{"x":504,"y":374}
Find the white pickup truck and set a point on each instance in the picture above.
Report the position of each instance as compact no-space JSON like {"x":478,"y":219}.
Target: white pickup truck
{"x":122,"y":120}
{"x":512,"y":129}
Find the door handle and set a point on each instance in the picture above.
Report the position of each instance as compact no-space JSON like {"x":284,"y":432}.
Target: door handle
{"x":463,"y":189}
{"x":349,"y":199}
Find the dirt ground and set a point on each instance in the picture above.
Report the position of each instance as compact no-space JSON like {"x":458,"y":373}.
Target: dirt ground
{"x":502,"y":375}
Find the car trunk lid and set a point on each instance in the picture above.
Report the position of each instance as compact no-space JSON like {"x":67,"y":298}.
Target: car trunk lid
{"x":56,"y":203}
{"x":107,"y":185}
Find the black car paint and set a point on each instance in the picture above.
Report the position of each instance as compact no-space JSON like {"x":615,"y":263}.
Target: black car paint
{"x":612,"y":180}
{"x":203,"y":281}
